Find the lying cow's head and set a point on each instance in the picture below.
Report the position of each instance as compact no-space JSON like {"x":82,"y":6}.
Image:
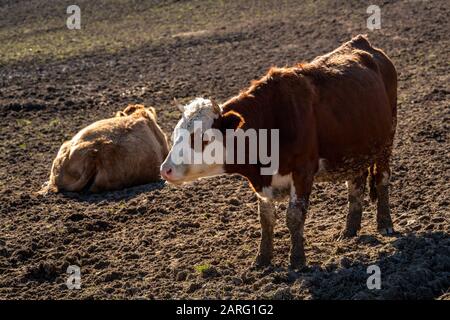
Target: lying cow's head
{"x":199,"y":119}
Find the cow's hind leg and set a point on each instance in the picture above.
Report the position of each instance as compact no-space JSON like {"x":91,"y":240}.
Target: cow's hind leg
{"x":356,"y":187}
{"x":296,"y":216}
{"x":382,"y":175}
{"x":267,"y":218}
{"x":295,"y":220}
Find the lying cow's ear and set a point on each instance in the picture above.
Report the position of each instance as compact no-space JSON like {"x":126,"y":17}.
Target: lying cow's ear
{"x":120,"y":114}
{"x":131,"y":108}
{"x":232,"y":120}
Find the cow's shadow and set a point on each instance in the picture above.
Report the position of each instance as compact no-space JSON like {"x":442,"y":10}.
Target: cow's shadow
{"x":418,"y":268}
{"x":114,"y":196}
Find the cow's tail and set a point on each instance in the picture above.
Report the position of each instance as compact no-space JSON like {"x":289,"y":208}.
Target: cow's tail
{"x":372,"y":184}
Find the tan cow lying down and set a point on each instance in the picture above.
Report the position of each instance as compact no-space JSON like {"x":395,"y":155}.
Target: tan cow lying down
{"x":111,"y":154}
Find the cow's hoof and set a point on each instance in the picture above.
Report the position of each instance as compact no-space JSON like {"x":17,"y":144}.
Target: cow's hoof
{"x":346,"y":234}
{"x":262,"y":261}
{"x":386,"y":231}
{"x":297,"y":263}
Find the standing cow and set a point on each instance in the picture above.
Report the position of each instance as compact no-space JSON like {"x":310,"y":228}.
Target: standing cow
{"x":336,"y":118}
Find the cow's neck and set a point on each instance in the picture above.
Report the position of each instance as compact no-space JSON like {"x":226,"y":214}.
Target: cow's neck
{"x":252,"y":110}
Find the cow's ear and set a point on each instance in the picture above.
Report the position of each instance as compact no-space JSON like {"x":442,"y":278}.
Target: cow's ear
{"x":232,"y":120}
{"x":120,"y":114}
{"x":131,"y":108}
{"x":178,"y":105}
{"x":216,"y":107}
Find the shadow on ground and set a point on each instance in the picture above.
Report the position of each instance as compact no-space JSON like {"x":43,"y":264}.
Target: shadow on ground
{"x":419,"y":269}
{"x":114,"y":196}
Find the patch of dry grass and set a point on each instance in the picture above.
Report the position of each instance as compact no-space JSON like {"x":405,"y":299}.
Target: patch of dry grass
{"x":119,"y":24}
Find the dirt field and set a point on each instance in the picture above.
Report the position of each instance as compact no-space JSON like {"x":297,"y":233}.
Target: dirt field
{"x":200,"y":240}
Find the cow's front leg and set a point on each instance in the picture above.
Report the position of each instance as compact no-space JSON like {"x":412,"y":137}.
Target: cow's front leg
{"x":266,"y":210}
{"x":295,"y":220}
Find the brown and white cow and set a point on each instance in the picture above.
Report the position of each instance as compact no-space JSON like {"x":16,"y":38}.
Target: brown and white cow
{"x":336,"y":118}
{"x":111,"y":154}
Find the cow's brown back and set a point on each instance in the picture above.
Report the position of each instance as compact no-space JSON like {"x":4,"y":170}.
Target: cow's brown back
{"x":336,"y":114}
{"x":355,"y":108}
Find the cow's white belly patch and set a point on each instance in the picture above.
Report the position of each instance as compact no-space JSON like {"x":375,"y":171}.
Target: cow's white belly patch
{"x":280,"y":187}
{"x":279,"y":181}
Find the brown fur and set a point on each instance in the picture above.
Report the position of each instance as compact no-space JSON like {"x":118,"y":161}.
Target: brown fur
{"x":340,"y":106}
{"x":111,"y":154}
{"x":338,"y":114}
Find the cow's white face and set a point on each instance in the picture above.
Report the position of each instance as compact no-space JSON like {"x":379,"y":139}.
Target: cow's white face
{"x":185,"y":161}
